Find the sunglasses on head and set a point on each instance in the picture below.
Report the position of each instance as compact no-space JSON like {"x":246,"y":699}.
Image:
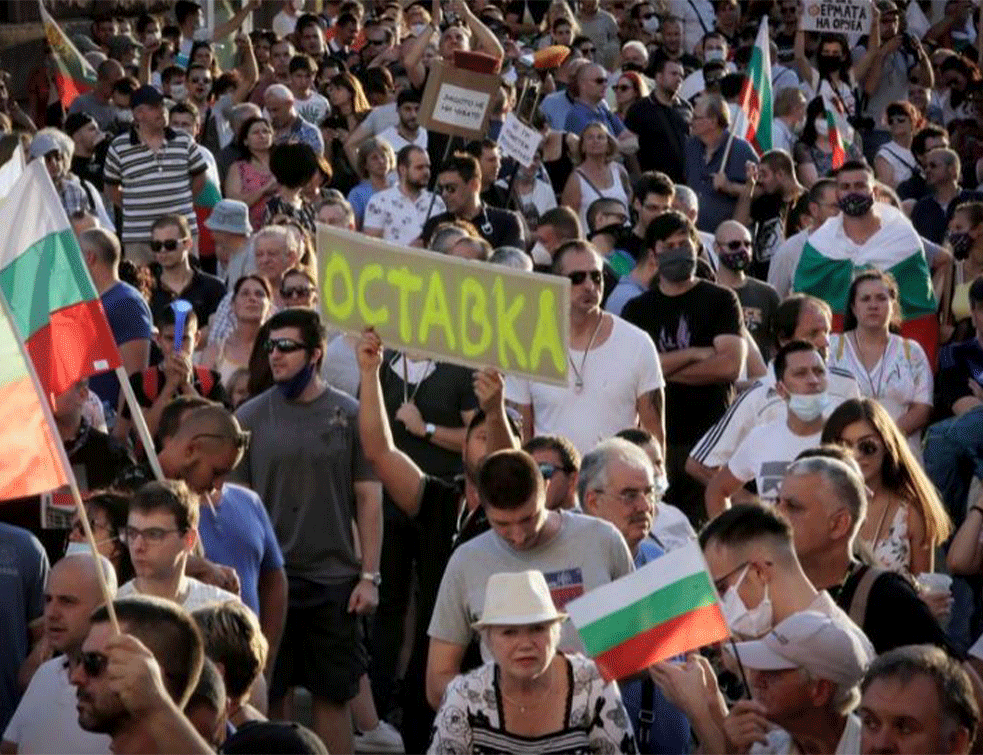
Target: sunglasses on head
{"x":289,"y":292}
{"x":578,"y":277}
{"x":283,"y":345}
{"x":168,"y":244}
{"x":92,"y":663}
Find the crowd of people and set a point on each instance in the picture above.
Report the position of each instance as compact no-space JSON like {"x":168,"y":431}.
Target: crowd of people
{"x":359,"y":549}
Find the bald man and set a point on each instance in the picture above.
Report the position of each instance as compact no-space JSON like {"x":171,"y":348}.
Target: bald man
{"x":288,"y":126}
{"x":46,"y":720}
{"x":207,"y":444}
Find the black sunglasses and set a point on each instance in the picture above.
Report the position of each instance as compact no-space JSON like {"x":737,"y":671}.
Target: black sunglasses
{"x":93,"y":663}
{"x":288,"y":292}
{"x":283,"y":345}
{"x":737,"y":244}
{"x":867,"y":448}
{"x":168,"y":244}
{"x":578,"y":277}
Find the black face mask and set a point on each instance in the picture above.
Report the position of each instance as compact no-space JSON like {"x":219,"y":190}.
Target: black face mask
{"x":827,"y":64}
{"x":856,"y":205}
{"x":632,"y":66}
{"x":677,"y":264}
{"x":961,"y":243}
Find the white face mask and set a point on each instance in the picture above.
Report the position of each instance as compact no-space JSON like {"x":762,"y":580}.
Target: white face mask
{"x":822,"y":126}
{"x":417,"y":29}
{"x":713,"y":54}
{"x":83,"y":547}
{"x":747,"y":623}
{"x":651,"y":25}
{"x":540,"y":255}
{"x":808,"y":406}
{"x":179,"y":92}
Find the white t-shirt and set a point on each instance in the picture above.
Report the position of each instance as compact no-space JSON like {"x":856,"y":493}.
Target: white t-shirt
{"x":670,"y":528}
{"x":399,"y":217}
{"x":397,"y":141}
{"x":199,"y":594}
{"x":313,"y":108}
{"x":284,"y":24}
{"x":765,"y":454}
{"x":380,"y":118}
{"x":615,"y":374}
{"x":47,"y":721}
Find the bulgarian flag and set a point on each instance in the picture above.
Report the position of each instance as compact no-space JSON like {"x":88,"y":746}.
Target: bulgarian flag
{"x":841,"y":132}
{"x":73,"y":74}
{"x":44,"y":279}
{"x":32,"y":462}
{"x":830,"y":261}
{"x":667,"y":607}
{"x":754,"y":119}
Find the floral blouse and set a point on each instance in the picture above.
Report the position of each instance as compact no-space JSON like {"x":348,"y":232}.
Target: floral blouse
{"x":471,"y":714}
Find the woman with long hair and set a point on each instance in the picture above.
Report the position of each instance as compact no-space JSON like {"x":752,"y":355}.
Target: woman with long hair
{"x":251,"y":302}
{"x":349,"y":106}
{"x":813,"y":152}
{"x":598,"y":175}
{"x":905,"y":521}
{"x":249,"y":178}
{"x":889,"y":369}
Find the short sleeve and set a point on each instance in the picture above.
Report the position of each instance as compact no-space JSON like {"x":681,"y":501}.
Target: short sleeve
{"x":450,"y":621}
{"x":610,"y":728}
{"x":741,"y":464}
{"x":196,"y":159}
{"x":130,"y":320}
{"x":451,"y":732}
{"x":362,"y":469}
{"x":921,"y":373}
{"x":729,"y":318}
{"x":272,"y":555}
{"x":717,"y":446}
{"x":111,"y":172}
{"x":621,"y":560}
{"x":374,"y":215}
{"x":518,"y":390}
{"x":650,"y":376}
{"x":514,"y":231}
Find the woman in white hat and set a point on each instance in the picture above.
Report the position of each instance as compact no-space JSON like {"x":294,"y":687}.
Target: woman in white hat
{"x":530,"y":698}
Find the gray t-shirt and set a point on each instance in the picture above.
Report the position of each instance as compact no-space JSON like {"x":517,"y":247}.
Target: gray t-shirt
{"x":105,"y":114}
{"x":586,"y":553}
{"x":303,"y":461}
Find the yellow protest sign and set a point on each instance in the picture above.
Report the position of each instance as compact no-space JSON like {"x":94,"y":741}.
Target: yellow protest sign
{"x":446,"y":308}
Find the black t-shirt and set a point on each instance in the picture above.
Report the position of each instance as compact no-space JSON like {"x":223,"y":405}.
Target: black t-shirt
{"x":495,"y":196}
{"x":559,"y":170}
{"x":692,"y":319}
{"x":440,"y":397}
{"x":204,"y":292}
{"x":913,"y":188}
{"x":689,"y":62}
{"x":759,"y":301}
{"x":769,"y":213}
{"x":958,"y":364}
{"x":208,"y":384}
{"x":662,"y":131}
{"x":496,"y":226}
{"x":895,"y":614}
{"x":89,"y":169}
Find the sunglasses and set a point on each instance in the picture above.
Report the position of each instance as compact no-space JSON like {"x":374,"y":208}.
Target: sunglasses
{"x":168,"y":244}
{"x":737,"y":244}
{"x":283,"y":345}
{"x":201,"y":81}
{"x":92,"y":663}
{"x":588,"y":50}
{"x":898,"y":119}
{"x":647,"y":16}
{"x":624,"y":88}
{"x":600,"y":80}
{"x":579,"y":276}
{"x":289,"y":292}
{"x":867,"y":448}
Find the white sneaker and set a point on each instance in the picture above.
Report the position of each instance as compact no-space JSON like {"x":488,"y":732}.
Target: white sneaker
{"x":383,"y":738}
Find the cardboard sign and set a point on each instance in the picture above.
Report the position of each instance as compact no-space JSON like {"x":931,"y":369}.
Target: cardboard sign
{"x":457,"y":102}
{"x":839,"y":16}
{"x":446,"y":308}
{"x":519,"y":140}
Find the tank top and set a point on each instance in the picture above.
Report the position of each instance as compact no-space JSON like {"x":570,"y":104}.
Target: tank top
{"x":589,"y":192}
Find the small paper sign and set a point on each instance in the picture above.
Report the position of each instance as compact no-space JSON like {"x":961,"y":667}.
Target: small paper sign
{"x":518,"y":140}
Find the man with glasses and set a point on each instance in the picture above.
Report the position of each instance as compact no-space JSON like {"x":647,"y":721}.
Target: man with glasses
{"x":152,"y":170}
{"x":170,"y":243}
{"x":305,"y":461}
{"x":615,"y":380}
{"x":559,"y":463}
{"x":161,"y":532}
{"x":589,"y":105}
{"x":46,"y":719}
{"x":379,"y":45}
{"x":697,"y":328}
{"x":732,"y":242}
{"x":398,"y":214}
{"x":459,"y":185}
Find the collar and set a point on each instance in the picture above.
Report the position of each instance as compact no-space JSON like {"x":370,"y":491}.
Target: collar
{"x":169,"y":134}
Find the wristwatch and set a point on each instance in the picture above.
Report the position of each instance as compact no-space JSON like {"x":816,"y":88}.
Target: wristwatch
{"x":372,"y":576}
{"x":429,"y":429}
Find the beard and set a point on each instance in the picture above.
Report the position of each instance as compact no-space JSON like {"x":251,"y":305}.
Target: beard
{"x":105,"y":719}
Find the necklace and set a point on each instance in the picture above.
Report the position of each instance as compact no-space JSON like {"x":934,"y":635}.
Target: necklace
{"x":876,"y":390}
{"x":578,"y":383}
{"x":427,"y":372}
{"x":523,"y":708}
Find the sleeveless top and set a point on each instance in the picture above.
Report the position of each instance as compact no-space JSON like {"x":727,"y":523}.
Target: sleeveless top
{"x":892,"y":550}
{"x":901,"y":160}
{"x":590,"y":192}
{"x":960,"y":293}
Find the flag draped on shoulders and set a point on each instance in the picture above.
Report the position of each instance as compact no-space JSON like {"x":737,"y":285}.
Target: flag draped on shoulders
{"x":52,"y":299}
{"x":667,"y":607}
{"x":73,"y":74}
{"x":755,"y":116}
{"x":830,"y":261}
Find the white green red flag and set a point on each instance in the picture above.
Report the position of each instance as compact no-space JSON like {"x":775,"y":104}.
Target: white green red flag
{"x":667,"y":607}
{"x":52,"y":299}
{"x":73,"y":74}
{"x":830,"y":261}
{"x":841,"y":134}
{"x":32,"y":463}
{"x":755,"y":116}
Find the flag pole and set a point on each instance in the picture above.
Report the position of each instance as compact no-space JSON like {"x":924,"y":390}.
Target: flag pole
{"x":730,"y":142}
{"x":63,"y":457}
{"x":136,"y":412}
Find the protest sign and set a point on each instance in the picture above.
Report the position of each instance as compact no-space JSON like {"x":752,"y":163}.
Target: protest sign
{"x":446,"y":308}
{"x":457,"y":102}
{"x":838,"y":16}
{"x":519,"y":140}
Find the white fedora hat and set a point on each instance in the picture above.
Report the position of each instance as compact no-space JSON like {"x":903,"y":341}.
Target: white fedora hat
{"x":517,"y":598}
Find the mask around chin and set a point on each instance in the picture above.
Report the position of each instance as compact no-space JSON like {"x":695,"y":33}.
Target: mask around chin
{"x":292,"y":387}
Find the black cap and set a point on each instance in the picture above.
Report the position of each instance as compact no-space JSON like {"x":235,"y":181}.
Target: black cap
{"x":146,"y":95}
{"x":76,"y":121}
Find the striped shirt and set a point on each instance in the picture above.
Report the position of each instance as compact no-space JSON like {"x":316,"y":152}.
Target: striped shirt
{"x":153,"y":183}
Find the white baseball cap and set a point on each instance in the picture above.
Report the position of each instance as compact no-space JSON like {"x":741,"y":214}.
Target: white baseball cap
{"x":826,"y":648}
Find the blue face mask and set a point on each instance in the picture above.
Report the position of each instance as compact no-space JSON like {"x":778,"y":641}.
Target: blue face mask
{"x":292,"y":387}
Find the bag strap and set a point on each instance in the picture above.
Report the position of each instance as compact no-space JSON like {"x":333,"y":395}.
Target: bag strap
{"x":590,"y":183}
{"x":858,"y":604}
{"x":646,"y":711}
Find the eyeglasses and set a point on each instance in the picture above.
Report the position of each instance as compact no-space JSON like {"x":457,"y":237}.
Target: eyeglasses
{"x":168,"y":244}
{"x":92,"y":663}
{"x":446,"y":188}
{"x":737,"y":244}
{"x":283,"y":345}
{"x":129,"y":535}
{"x":647,"y":16}
{"x":628,"y":496}
{"x":579,"y":276}
{"x":600,"y":80}
{"x":289,"y":292}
